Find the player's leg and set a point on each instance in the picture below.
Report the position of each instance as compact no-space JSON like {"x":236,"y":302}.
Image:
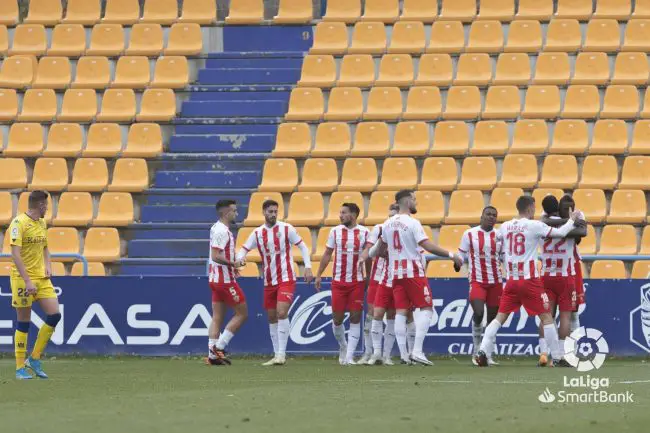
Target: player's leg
{"x":355,"y":307}
{"x":543,"y":345}
{"x":218,"y":314}
{"x":50,"y":306}
{"x":233,"y":297}
{"x":402,"y":307}
{"x":22,"y":302}
{"x":284,"y":298}
{"x":580,"y":294}
{"x":508,"y":303}
{"x":420,"y":296}
{"x":270,"y":305}
{"x":339,"y":304}
{"x":567,"y":302}
{"x":477,"y":298}
{"x":410,"y":330}
{"x":389,"y":334}
{"x":367,"y":323}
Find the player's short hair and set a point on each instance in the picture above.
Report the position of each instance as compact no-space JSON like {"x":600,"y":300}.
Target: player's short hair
{"x":566,"y":198}
{"x":268,"y":203}
{"x":550,"y":204}
{"x":524,"y":202}
{"x":352,"y":207}
{"x":402,"y":194}
{"x":225,"y":203}
{"x":36,"y":197}
{"x":489,"y":207}
{"x":393,"y":206}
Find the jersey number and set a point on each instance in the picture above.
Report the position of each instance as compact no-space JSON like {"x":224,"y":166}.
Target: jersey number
{"x":555,"y":250}
{"x":397,"y":241}
{"x":516,"y":244}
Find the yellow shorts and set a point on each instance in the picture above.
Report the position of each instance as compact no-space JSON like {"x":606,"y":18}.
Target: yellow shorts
{"x":20,"y":298}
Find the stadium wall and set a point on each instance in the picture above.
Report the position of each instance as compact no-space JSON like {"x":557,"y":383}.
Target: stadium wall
{"x":164,"y":316}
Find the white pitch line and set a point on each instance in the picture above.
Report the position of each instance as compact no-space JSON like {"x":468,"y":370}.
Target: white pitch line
{"x":628,"y":382}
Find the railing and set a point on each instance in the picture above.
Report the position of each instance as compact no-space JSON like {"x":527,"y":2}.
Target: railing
{"x":78,"y":257}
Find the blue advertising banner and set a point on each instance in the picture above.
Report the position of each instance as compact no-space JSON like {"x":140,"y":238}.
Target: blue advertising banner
{"x":170,"y":316}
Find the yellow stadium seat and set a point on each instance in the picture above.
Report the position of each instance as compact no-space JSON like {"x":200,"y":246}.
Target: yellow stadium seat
{"x":8,"y":105}
{"x":541,"y":10}
{"x":293,"y":139}
{"x":8,"y":13}
{"x":591,"y":68}
{"x":52,"y":73}
{"x":82,"y":12}
{"x":485,"y":37}
{"x":305,"y":104}
{"x":615,"y":9}
{"x":126,"y":12}
{"x":608,"y":270}
{"x":345,"y":103}
{"x":645,"y":241}
{"x":95,"y":269}
{"x":602,"y":35}
{"x":502,"y":102}
{"x":68,"y":40}
{"x":132,"y":72}
{"x":423,"y":103}
{"x":63,"y":240}
{"x":130,"y":175}
{"x":332,"y":140}
{"x":398,"y":174}
{"x":641,"y":270}
{"x":294,"y":12}
{"x":368,"y":38}
{"x":641,"y":9}
{"x":637,"y":35}
{"x":102,"y":244}
{"x":588,"y":243}
{"x":337,"y":199}
{"x":358,"y":174}
{"x":279,"y":175}
{"x":576,"y":9}
{"x":599,"y":171}
{"x":357,"y":70}
{"x":4,"y":40}
{"x":408,"y":38}
{"x":306,"y":209}
{"x":631,"y":68}
{"x":171,"y":72}
{"x":378,"y":207}
{"x":641,"y":138}
{"x":464,"y":10}
{"x":371,"y":139}
{"x":64,"y":140}
{"x":474,"y":70}
{"x":542,"y":102}
{"x":439,"y":174}
{"x":145,"y":40}
{"x":505,"y":199}
{"x":539,"y":194}
{"x":465,"y":207}
{"x":581,"y":101}
{"x":318,"y":175}
{"x":395,"y":70}
{"x":524,"y":36}
{"x":479,"y":172}
{"x":450,"y":138}
{"x":6,"y":208}
{"x":490,"y":138}
{"x":23,"y":202}
{"x":17,"y":72}
{"x":118,"y":105}
{"x":384,"y":103}
{"x":160,"y":11}
{"x":346,"y":11}
{"x":46,"y":12}
{"x":621,"y":101}
{"x":144,"y":141}
{"x":635,"y":173}
{"x":431,"y":207}
{"x":563,"y":35}
{"x":519,"y":171}
{"x":106,"y":40}
{"x":610,"y":137}
{"x":552,"y":68}
{"x":79,"y":105}
{"x":24,"y":140}
{"x":593,"y":203}
{"x":444,"y":269}
{"x":39,"y":105}
{"x":157,"y":105}
{"x":321,"y":241}
{"x":386,"y":11}
{"x":242,"y":235}
{"x":245,"y":12}
{"x":330,"y":38}
{"x":530,"y":136}
{"x":29,"y":39}
{"x":502,"y":10}
{"x":411,"y":139}
{"x":104,"y":140}
{"x":89,"y":174}
{"x":305,"y":235}
{"x":463,"y":102}
{"x":13,"y":173}
{"x":434,"y":70}
{"x":115,"y":210}
{"x":419,"y":10}
{"x":75,"y":209}
{"x":559,"y":171}
{"x":185,"y":39}
{"x":5,"y":267}
{"x":618,"y":239}
{"x":512,"y":69}
{"x":50,"y":174}
{"x":199,"y":12}
{"x":92,"y":73}
{"x":255,"y":217}
{"x":318,"y":71}
{"x":446,"y":37}
{"x":570,"y":137}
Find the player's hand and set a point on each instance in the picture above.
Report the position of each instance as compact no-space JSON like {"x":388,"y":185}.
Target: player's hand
{"x":317,"y":283}
{"x":48,"y":271}
{"x":458,"y":262}
{"x":308,"y":276}
{"x":580,"y":223}
{"x":30,"y":288}
{"x":240,"y":263}
{"x":575,"y":216}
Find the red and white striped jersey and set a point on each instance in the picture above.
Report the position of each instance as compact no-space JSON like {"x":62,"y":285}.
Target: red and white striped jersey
{"x":403,"y":234}
{"x":557,"y":257}
{"x":274,"y":244}
{"x":348,"y":244}
{"x":521,"y":238}
{"x":482,"y":251}
{"x":379,"y":272}
{"x":221,"y":239}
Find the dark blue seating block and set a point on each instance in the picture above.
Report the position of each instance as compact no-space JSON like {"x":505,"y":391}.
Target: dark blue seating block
{"x":186,"y":248}
{"x":267,"y":38}
{"x":199,"y":270}
{"x":251,"y":63}
{"x":237,"y":128}
{"x":234,"y":109}
{"x":185,"y":214}
{"x":207,"y":179}
{"x":171,"y":233}
{"x":248,"y":76}
{"x":239,"y":96}
{"x":254,"y":143}
{"x":181,"y":198}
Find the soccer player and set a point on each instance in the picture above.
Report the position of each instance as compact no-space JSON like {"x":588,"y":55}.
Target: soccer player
{"x":403,"y":234}
{"x":482,"y":250}
{"x":347,"y":240}
{"x":567,"y":205}
{"x":30,"y":281}
{"x":225,"y":290}
{"x":521,"y":237}
{"x":274,"y":240}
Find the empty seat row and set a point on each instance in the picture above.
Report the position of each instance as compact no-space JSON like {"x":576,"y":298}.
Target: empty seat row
{"x":81,"y":105}
{"x":561,"y":35}
{"x":100,"y":244}
{"x":474,"y":69}
{"x":70,"y":140}
{"x":441,"y":173}
{"x":95,"y":269}
{"x":94,"y":72}
{"x":76,"y":209}
{"x":105,"y":40}
{"x":88,"y":174}
{"x":456,"y":138}
{"x":388,"y":11}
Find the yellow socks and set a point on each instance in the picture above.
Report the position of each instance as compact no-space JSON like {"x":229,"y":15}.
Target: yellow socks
{"x":42,"y":339}
{"x":20,"y":348}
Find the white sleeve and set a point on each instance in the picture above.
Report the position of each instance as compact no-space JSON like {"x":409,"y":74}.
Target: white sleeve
{"x":218,"y":239}
{"x":374,"y":235}
{"x":560,"y":232}
{"x":294,"y":237}
{"x":418,"y":232}
{"x":250,"y":243}
{"x":331,"y":240}
{"x":304,"y":251}
{"x":374,"y":251}
{"x":463,"y":249}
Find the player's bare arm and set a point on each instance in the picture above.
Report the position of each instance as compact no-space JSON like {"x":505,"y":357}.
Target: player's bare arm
{"x":48,"y":262}
{"x":325,"y":260}
{"x":304,"y":252}
{"x":441,"y":252}
{"x":219,"y":256}
{"x":566,"y":228}
{"x":20,"y":266}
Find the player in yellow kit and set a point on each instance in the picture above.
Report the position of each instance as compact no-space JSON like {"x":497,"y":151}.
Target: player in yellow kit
{"x":30,"y":281}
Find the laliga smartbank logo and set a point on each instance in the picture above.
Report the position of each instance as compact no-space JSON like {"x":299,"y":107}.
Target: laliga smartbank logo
{"x":586,"y":350}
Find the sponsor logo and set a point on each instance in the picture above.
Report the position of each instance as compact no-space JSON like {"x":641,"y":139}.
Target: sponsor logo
{"x":311,"y":318}
{"x":586,"y":349}
{"x":547,"y":396}
{"x":640,"y":320}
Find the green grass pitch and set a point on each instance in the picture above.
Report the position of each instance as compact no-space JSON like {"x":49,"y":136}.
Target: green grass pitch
{"x":312,"y":395}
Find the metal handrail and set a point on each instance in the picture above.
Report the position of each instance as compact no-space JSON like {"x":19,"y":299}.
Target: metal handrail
{"x":78,"y":257}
